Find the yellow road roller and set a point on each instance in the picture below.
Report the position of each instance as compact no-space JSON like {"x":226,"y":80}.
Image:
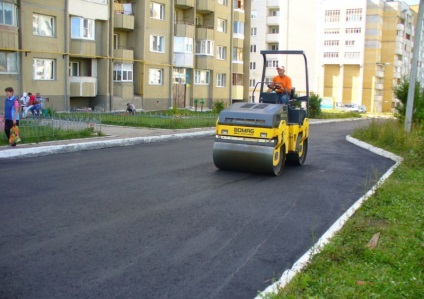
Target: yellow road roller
{"x":261,"y":137}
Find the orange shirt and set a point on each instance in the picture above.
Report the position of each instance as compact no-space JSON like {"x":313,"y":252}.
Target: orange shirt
{"x":286,"y":83}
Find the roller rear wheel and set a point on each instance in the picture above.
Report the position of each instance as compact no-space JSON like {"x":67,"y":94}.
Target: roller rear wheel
{"x":299,"y":157}
{"x":279,"y":160}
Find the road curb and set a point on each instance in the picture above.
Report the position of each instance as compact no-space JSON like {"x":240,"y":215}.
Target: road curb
{"x":326,"y":237}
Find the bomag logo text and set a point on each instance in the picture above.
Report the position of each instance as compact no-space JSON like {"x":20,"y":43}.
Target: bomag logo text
{"x":244,"y":131}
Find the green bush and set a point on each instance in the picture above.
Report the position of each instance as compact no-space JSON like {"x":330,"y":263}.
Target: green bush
{"x":401,"y":93}
{"x":218,"y":106}
{"x":314,"y":105}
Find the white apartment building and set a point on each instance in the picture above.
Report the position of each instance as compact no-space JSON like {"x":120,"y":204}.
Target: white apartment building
{"x":275,"y":25}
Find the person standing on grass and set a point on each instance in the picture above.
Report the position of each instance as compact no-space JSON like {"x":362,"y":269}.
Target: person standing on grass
{"x":11,"y":112}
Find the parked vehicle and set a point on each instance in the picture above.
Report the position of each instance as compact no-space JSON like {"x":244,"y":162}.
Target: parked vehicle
{"x":362,"y":109}
{"x":350,"y":108}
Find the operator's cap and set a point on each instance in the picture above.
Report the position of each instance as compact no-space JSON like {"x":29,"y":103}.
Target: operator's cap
{"x":281,"y":67}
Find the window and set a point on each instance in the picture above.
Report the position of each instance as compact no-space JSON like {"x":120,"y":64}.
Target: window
{"x":8,"y":14}
{"x":274,"y":12}
{"x":238,"y":55}
{"x":351,"y":55}
{"x":332,"y":31}
{"x":331,"y":43}
{"x":201,"y":77}
{"x":349,"y":43}
{"x":44,"y":69}
{"x":331,"y":54}
{"x":157,"y":11}
{"x":221,"y":25}
{"x":183,"y":44}
{"x":43,"y":25}
{"x":204,"y":47}
{"x":332,"y":16}
{"x":252,"y":65}
{"x":274,"y":29}
{"x":123,"y":72}
{"x":272,"y":63}
{"x":74,"y":69}
{"x":222,"y":2}
{"x":238,"y":79}
{"x":157,"y":43}
{"x":155,"y":76}
{"x":353,"y":30}
{"x":252,"y":48}
{"x":239,"y":30}
{"x":252,"y":82}
{"x":273,"y":47}
{"x":253,"y":31}
{"x":238,"y":4}
{"x":221,"y":53}
{"x":8,"y":62}
{"x":220,"y":80}
{"x":254,"y":14}
{"x":82,"y":28}
{"x":354,"y":15}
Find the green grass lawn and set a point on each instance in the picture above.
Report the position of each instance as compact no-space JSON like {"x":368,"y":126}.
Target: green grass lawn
{"x":346,"y":267}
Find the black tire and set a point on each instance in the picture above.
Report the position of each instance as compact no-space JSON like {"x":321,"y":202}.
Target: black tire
{"x":299,"y":157}
{"x":278,"y":169}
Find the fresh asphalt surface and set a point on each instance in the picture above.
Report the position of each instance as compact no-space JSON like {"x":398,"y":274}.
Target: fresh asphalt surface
{"x":160,"y":221}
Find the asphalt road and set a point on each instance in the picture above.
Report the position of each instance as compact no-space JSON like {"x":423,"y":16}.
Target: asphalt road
{"x":160,"y":221}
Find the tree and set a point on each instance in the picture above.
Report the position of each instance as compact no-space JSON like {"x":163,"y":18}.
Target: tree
{"x":400,"y":91}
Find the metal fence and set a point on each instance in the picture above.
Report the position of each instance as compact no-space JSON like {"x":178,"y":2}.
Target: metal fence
{"x":36,"y":129}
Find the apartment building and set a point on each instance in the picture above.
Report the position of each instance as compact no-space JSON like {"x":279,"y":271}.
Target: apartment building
{"x":283,"y":25}
{"x":368,"y":47}
{"x":102,"y":53}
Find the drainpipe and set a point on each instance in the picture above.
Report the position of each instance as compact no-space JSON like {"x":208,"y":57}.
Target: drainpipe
{"x":171,"y":55}
{"x":66,"y":56}
{"x":20,"y":84}
{"x":230,"y":54}
{"x":110,"y":54}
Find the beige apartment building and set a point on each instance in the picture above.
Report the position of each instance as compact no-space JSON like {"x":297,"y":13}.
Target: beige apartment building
{"x":367,"y":48}
{"x":103,"y":53}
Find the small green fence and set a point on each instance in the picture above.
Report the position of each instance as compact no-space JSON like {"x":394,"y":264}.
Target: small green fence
{"x":163,"y":120}
{"x":56,"y":128}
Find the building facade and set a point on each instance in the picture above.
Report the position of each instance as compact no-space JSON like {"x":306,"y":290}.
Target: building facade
{"x":102,"y":53}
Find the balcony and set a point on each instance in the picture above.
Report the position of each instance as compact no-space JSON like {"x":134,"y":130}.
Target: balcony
{"x":378,"y":98}
{"x":273,"y":3}
{"x":237,"y":92}
{"x":184,"y":29}
{"x":399,"y":51}
{"x":184,"y":4}
{"x":123,"y":54}
{"x":9,"y":39}
{"x":399,"y":39}
{"x":272,"y":21}
{"x":183,"y":60}
{"x":83,"y":86}
{"x":379,"y":74}
{"x":205,"y":7}
{"x":272,"y":38}
{"x":204,"y":62}
{"x":400,"y":27}
{"x":204,"y":33}
{"x":379,"y":86}
{"x":82,"y":47}
{"x":239,"y":15}
{"x":238,"y":67}
{"x":123,"y":22}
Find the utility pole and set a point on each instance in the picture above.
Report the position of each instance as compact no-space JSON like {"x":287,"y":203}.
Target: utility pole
{"x":413,"y":78}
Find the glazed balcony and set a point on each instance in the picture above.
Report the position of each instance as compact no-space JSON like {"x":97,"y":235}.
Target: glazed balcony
{"x":83,"y":86}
